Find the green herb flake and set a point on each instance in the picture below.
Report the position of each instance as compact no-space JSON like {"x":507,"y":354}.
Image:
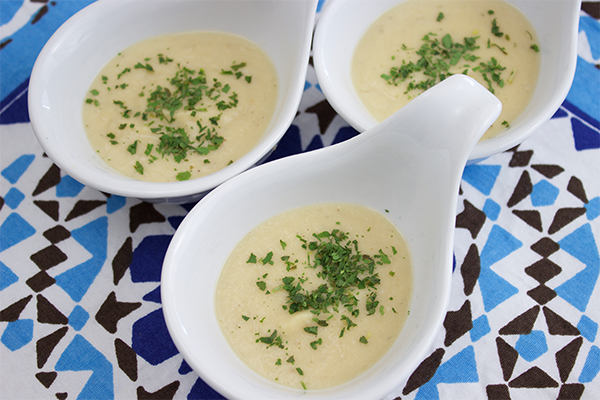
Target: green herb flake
{"x":251,"y":259}
{"x":312,"y":330}
{"x":299,"y":370}
{"x":139,"y":168}
{"x":535,"y":48}
{"x":496,"y":29}
{"x":94,"y":92}
{"x":316,"y":343}
{"x":268,"y":258}
{"x":146,"y":66}
{"x":278,"y":362}
{"x":261,"y":285}
{"x":245,"y":318}
{"x":183,"y":176}
{"x":272,"y":340}
{"x":440,"y":17}
{"x":363,"y":340}
{"x":132,"y":148}
{"x":291,"y":360}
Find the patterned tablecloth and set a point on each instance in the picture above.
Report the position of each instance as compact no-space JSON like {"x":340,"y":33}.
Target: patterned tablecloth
{"x":80,"y":306}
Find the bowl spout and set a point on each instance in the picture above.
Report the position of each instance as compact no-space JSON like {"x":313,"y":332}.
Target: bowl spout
{"x":451,"y":116}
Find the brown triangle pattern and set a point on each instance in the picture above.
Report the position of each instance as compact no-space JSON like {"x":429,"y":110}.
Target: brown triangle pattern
{"x":520,"y":158}
{"x":83,"y":207}
{"x":471,"y":218}
{"x":48,"y":314}
{"x":545,"y":247}
{"x":535,"y":377}
{"x":49,"y":207}
{"x":557,"y":325}
{"x":50,"y":179}
{"x":470,"y":269}
{"x":497,"y":392}
{"x":549,"y":171}
{"x":126,"y":359}
{"x":522,"y":324}
{"x":565,"y":216}
{"x":457,"y":323}
{"x":122,"y":260}
{"x":575,"y":187}
{"x":46,"y":345}
{"x":143,"y":213}
{"x":566,"y":357}
{"x":111,"y":311}
{"x":48,"y":257}
{"x":166,"y":393}
{"x":424,"y":371}
{"x":40,"y":281}
{"x":61,"y":396}
{"x":522,"y":190}
{"x":571,"y":391}
{"x":543,"y":270}
{"x":46,"y":378}
{"x":542,"y":294}
{"x":57,"y":234}
{"x":325,"y":114}
{"x":508,"y":358}
{"x":12,"y":312}
{"x":531,"y":218}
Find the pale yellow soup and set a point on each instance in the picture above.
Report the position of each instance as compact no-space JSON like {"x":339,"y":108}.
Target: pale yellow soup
{"x":314,"y":348}
{"x":212,"y":94}
{"x":395,"y":37}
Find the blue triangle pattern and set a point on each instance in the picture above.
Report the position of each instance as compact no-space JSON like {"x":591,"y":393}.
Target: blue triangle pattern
{"x":592,"y":208}
{"x":17,"y":168}
{"x":494,"y":288}
{"x":14,"y":230}
{"x":581,"y":245}
{"x":17,"y":334}
{"x":146,"y":263}
{"x":591,"y":367}
{"x":93,"y":237}
{"x":481,"y":177}
{"x":68,"y":187}
{"x":500,"y":243}
{"x":460,"y":368}
{"x":7,"y":276}
{"x":115,"y":203}
{"x":585,"y":137}
{"x":80,"y":355}
{"x":149,"y":331}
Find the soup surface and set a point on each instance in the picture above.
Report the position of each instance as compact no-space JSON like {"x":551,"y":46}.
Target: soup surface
{"x":181,"y":106}
{"x":315,"y":296}
{"x":416,"y":44}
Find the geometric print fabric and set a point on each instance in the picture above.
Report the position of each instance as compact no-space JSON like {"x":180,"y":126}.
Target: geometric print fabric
{"x":80,"y":313}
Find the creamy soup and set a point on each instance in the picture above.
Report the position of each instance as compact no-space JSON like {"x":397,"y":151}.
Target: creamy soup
{"x":181,"y":106}
{"x":315,"y":296}
{"x":417,"y":43}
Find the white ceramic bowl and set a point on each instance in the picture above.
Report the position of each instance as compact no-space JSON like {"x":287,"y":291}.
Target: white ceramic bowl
{"x":78,"y":50}
{"x":408,"y":168}
{"x":342,"y":24}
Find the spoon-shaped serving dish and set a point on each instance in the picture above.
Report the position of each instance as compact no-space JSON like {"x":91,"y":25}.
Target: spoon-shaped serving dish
{"x":342,"y":24}
{"x":408,"y":168}
{"x":78,"y":50}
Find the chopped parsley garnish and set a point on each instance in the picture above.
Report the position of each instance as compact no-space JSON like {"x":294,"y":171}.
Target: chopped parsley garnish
{"x":344,"y":271}
{"x":437,"y":57}
{"x":189,"y":91}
